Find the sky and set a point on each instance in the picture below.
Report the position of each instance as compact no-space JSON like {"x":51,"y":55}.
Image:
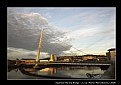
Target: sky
{"x":91,"y":30}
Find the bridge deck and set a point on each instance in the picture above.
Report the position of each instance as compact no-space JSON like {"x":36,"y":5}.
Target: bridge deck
{"x":68,"y":63}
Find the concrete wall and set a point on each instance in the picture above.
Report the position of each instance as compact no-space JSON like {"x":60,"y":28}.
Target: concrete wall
{"x":113,"y":55}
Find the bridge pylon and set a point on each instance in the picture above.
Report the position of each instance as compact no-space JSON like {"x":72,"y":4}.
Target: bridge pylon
{"x":52,"y":57}
{"x":39,"y":49}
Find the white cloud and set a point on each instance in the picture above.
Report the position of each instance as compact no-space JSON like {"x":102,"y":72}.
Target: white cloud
{"x":14,"y":53}
{"x":96,"y":27}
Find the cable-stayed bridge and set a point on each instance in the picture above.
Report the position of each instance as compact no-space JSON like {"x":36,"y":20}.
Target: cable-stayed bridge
{"x":52,"y":51}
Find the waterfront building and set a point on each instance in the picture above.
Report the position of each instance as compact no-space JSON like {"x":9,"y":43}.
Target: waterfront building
{"x":111,"y":54}
{"x":88,"y":57}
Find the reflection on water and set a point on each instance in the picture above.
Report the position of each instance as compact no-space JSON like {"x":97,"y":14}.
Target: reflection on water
{"x":82,"y":72}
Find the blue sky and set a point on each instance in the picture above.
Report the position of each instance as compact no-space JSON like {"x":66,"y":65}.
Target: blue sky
{"x":90,"y":29}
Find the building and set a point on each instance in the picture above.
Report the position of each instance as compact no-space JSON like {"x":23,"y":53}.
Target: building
{"x":51,"y":59}
{"x":65,"y":58}
{"x":88,"y":57}
{"x":111,"y":54}
{"x":32,"y":60}
{"x":102,"y":58}
{"x":94,"y":57}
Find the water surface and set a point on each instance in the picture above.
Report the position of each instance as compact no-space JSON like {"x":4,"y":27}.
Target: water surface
{"x":80,"y":72}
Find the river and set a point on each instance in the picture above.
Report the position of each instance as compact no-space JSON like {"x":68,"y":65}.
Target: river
{"x":63,"y":72}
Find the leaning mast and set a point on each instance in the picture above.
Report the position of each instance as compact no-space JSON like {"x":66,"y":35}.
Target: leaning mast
{"x":39,"y":46}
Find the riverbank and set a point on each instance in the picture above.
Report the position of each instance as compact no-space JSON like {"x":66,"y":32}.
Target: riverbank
{"x":110,"y":73}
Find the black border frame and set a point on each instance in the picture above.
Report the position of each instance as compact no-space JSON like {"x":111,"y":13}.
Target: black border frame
{"x":54,"y":3}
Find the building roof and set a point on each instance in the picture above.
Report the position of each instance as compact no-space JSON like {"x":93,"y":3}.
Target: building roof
{"x":89,"y":55}
{"x":112,"y":49}
{"x":34,"y":59}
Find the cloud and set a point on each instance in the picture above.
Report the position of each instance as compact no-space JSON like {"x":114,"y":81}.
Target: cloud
{"x":23,"y":31}
{"x":88,"y":17}
{"x":14,"y":53}
{"x":86,"y":28}
{"x":93,"y":29}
